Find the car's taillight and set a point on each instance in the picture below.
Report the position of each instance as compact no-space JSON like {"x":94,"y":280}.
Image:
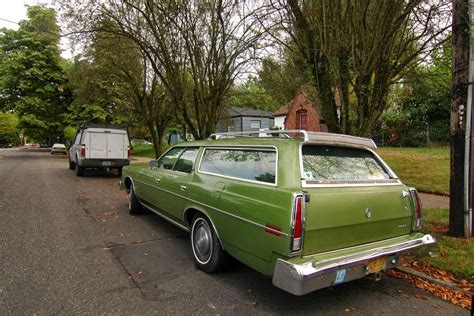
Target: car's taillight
{"x":417,"y":204}
{"x":297,"y":221}
{"x":82,"y":152}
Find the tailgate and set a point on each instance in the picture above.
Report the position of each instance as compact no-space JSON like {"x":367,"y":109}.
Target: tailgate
{"x":117,"y":146}
{"x":338,"y":218}
{"x":354,"y":199}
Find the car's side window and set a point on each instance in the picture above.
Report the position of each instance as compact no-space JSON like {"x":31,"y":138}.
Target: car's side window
{"x":247,"y":164}
{"x":186,"y":161}
{"x":169,"y":159}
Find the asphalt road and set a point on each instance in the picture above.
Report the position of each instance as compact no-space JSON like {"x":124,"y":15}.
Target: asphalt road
{"x":68,"y":246}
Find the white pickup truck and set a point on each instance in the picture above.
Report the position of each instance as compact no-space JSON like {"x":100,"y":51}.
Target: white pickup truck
{"x":100,"y":146}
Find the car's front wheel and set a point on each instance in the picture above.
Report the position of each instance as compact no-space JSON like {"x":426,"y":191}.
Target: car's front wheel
{"x":207,"y":250}
{"x":72,"y":165}
{"x":134,"y":206}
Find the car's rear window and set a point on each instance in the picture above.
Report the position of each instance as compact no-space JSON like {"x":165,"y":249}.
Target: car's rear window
{"x":332,"y":163}
{"x":247,"y":164}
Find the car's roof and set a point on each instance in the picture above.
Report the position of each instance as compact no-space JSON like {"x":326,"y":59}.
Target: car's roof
{"x":59,"y":145}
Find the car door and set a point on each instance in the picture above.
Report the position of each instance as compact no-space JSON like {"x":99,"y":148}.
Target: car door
{"x":178,"y":183}
{"x":150,"y":188}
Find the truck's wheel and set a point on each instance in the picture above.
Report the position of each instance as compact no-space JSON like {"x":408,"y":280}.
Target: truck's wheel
{"x":207,"y":251}
{"x":134,"y":206}
{"x":79,"y":170}
{"x":72,"y":165}
{"x":119,"y":171}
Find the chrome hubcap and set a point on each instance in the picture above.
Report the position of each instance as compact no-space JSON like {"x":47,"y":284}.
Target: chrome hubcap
{"x":202,"y":240}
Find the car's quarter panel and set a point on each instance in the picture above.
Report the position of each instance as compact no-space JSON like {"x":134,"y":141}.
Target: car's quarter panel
{"x":242,"y":213}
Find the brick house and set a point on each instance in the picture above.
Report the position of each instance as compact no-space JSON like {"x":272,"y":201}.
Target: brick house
{"x":300,"y":113}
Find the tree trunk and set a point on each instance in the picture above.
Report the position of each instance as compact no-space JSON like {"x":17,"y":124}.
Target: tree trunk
{"x":459,"y":101}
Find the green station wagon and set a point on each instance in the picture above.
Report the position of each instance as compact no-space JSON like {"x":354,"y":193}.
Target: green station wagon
{"x":310,"y":210}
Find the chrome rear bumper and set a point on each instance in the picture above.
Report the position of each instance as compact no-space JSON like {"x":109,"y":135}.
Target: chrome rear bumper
{"x":300,"y":276}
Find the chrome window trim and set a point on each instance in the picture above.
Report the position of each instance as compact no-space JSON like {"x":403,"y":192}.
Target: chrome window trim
{"x":216,"y":209}
{"x":346,"y":185}
{"x":363,"y":183}
{"x":250,"y":147}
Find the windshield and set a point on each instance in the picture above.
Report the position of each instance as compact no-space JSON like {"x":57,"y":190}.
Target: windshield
{"x":323,"y":163}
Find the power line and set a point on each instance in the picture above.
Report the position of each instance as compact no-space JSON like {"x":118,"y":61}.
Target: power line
{"x":9,"y":21}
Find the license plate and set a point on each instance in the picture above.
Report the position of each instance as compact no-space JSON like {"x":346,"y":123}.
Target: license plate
{"x":340,"y":276}
{"x":106,"y":163}
{"x":377,"y":264}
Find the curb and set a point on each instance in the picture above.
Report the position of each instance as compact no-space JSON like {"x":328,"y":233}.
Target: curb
{"x":421,"y":275}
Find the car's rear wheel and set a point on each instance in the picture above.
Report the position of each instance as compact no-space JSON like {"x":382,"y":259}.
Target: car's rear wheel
{"x":72,"y":165}
{"x":79,"y":170}
{"x":207,"y":250}
{"x":134,"y":206}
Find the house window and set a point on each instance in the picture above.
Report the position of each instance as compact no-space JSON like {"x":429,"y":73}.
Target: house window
{"x":230,"y":126}
{"x":302,"y":120}
{"x":255,"y":125}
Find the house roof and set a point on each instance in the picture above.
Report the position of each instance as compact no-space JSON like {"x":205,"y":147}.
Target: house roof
{"x":286,"y":108}
{"x":234,"y":111}
{"x":283,"y":110}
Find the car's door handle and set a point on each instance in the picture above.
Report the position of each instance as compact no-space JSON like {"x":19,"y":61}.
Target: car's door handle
{"x":158,"y":180}
{"x":184,"y":188}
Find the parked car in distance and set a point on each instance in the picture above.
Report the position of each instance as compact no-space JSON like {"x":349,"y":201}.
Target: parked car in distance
{"x":58,"y":149}
{"x":310,"y":210}
{"x":100,"y":146}
{"x":35,"y":145}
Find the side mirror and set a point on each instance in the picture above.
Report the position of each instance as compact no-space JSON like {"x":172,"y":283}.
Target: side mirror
{"x":153,"y":163}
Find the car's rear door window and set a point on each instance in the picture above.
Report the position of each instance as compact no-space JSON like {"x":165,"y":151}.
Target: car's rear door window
{"x":186,"y":161}
{"x":247,"y":164}
{"x":332,"y":163}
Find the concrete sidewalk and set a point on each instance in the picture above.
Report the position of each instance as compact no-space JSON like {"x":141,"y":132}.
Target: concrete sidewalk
{"x":434,"y":200}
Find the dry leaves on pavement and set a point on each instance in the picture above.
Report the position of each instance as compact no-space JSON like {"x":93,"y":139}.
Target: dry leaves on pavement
{"x":459,"y":298}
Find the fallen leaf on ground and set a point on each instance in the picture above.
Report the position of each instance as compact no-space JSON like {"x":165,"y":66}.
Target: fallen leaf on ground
{"x":459,"y":298}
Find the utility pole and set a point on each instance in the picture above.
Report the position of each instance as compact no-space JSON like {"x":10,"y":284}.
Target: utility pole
{"x":461,"y":46}
{"x":468,"y":158}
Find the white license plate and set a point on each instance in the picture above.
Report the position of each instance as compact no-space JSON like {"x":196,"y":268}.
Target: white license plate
{"x":106,"y":163}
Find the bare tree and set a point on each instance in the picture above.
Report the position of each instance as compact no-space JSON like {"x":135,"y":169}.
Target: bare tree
{"x":361,"y":47}
{"x":197,"y":48}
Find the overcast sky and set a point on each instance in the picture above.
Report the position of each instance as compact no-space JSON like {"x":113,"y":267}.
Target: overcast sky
{"x":13,"y":11}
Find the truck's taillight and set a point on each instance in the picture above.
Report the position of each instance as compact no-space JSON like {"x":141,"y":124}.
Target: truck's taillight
{"x":297,"y":224}
{"x":417,"y":203}
{"x":82,"y":152}
{"x":129,"y":152}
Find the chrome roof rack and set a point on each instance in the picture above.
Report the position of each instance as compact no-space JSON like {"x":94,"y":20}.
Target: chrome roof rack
{"x":317,"y":137}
